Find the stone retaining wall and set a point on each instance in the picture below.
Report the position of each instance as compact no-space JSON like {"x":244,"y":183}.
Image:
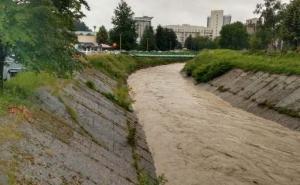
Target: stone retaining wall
{"x":274,"y":97}
{"x":77,"y":137}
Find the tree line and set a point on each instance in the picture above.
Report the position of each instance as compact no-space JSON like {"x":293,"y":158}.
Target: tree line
{"x":124,"y":31}
{"x":278,"y":28}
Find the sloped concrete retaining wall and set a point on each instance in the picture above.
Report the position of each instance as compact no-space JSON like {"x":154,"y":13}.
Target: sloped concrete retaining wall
{"x":274,"y":97}
{"x":77,"y":137}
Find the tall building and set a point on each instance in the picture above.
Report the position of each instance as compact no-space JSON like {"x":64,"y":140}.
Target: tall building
{"x":226,"y":19}
{"x":251,"y":25}
{"x":185,"y":30}
{"x":141,"y":23}
{"x":216,"y":21}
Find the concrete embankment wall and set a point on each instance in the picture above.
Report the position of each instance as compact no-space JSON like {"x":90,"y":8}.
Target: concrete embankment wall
{"x":274,"y":97}
{"x":77,"y":136}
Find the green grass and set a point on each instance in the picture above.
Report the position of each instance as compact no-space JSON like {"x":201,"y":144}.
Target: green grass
{"x":119,"y":67}
{"x":18,"y":90}
{"x":210,"y":64}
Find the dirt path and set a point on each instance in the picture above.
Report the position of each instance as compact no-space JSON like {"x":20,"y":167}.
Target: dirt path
{"x":198,"y":139}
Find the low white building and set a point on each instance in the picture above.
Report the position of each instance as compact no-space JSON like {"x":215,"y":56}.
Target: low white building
{"x":87,"y":43}
{"x":185,"y":30}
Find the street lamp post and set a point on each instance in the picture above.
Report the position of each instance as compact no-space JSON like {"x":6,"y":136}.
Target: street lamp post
{"x":120,"y":42}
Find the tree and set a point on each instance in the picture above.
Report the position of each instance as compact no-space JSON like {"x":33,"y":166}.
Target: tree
{"x":148,"y":40}
{"x":124,"y":27}
{"x":102,"y":35}
{"x":199,"y":43}
{"x":291,"y":23}
{"x":166,"y":39}
{"x":189,"y":42}
{"x":38,"y":33}
{"x":160,"y":38}
{"x":234,"y":36}
{"x":80,"y":26}
{"x":70,"y":10}
{"x":269,"y":13}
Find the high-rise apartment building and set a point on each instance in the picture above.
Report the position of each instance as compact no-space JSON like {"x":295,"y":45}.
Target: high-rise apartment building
{"x":141,"y":23}
{"x":216,"y":21}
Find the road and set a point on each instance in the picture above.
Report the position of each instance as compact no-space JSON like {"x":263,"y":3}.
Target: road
{"x":196,"y":138}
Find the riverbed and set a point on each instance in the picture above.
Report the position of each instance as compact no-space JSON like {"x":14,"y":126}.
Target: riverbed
{"x":196,"y":138}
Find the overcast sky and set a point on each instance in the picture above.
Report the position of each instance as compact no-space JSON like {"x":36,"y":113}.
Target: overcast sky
{"x":171,"y":11}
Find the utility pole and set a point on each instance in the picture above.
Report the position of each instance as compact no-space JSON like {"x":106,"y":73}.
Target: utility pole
{"x":120,"y":42}
{"x":147,"y":44}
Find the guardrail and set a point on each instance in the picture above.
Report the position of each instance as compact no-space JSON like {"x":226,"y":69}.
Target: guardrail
{"x":163,"y":55}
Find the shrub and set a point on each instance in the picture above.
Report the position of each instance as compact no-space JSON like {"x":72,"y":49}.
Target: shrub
{"x":90,"y":85}
{"x":205,"y":73}
{"x":210,"y":64}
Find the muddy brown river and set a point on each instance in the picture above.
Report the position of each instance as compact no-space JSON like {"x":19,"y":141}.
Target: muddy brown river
{"x":197,"y":138}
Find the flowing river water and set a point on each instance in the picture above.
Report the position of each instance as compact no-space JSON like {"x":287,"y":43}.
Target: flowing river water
{"x":196,"y":138}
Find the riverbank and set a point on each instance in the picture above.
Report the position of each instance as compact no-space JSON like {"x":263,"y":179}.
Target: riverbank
{"x":74,"y":131}
{"x":197,"y":138}
{"x":268,"y":86}
{"x":210,"y":64}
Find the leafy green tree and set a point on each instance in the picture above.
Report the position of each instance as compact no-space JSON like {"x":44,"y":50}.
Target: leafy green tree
{"x":291,"y":23}
{"x":270,"y":16}
{"x":148,"y":40}
{"x":124,"y":27}
{"x":69,"y":10}
{"x":80,"y":26}
{"x":161,"y":38}
{"x":234,"y":36}
{"x":199,"y":43}
{"x":38,"y":33}
{"x":102,"y":35}
{"x":189,"y":42}
{"x":260,"y":40}
{"x":166,"y":39}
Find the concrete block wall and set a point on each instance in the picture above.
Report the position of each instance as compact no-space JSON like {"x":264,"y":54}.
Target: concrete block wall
{"x":274,"y":97}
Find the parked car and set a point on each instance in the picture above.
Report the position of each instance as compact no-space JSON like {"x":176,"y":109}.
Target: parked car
{"x":11,"y":68}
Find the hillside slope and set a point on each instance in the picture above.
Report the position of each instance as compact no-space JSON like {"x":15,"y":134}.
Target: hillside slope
{"x":75,"y":134}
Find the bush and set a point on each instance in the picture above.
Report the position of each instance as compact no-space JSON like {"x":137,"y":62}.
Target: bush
{"x":90,"y":85}
{"x":210,"y":64}
{"x":210,"y":71}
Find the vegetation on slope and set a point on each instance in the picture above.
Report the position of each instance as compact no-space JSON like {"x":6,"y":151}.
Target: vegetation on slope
{"x":210,"y":64}
{"x":119,"y":67}
{"x":20,"y":89}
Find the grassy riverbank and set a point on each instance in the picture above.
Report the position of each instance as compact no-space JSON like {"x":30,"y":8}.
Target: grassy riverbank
{"x":210,"y":64}
{"x":20,"y":90}
{"x":119,"y":67}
